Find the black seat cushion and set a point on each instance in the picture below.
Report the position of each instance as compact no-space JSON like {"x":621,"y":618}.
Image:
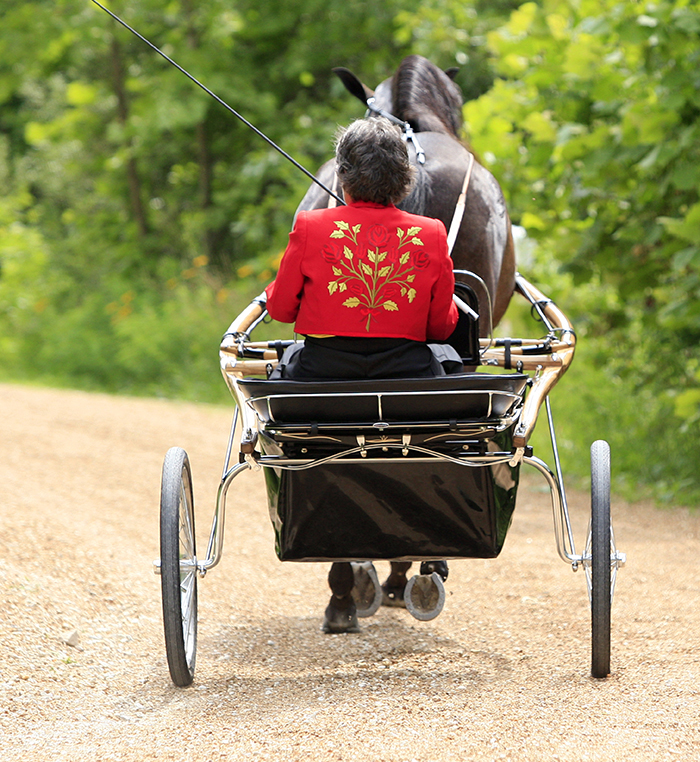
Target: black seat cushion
{"x":468,"y":396}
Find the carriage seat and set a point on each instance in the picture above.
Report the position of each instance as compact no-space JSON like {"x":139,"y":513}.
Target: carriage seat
{"x":479,"y":397}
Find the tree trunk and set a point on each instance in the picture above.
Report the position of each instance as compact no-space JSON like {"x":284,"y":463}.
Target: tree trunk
{"x":132,"y":173}
{"x":203,"y":153}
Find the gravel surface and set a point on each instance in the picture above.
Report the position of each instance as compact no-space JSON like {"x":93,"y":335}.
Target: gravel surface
{"x":503,"y":673}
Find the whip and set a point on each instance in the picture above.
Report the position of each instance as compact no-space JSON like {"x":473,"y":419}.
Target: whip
{"x":222,"y":102}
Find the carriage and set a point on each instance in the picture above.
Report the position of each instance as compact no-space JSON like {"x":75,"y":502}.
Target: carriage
{"x":394,"y":469}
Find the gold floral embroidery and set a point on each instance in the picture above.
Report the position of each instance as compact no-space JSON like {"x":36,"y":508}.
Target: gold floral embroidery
{"x":377,"y":269}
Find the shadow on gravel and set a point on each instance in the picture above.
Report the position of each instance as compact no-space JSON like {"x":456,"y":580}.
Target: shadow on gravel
{"x":273,"y":662}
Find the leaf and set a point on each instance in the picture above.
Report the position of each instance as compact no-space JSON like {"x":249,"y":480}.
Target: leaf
{"x":411,"y":294}
{"x":353,"y":301}
{"x":356,"y":228}
{"x":366,"y":268}
{"x":687,"y":228}
{"x":417,"y":241}
{"x":372,"y":256}
{"x":342,"y":225}
{"x":348,"y":253}
{"x":404,"y":258}
{"x":332,"y":286}
{"x":531,"y":221}
{"x":399,"y":232}
{"x":337,"y":271}
{"x":385,"y":271}
{"x":687,"y":403}
{"x":337,"y":234}
{"x":80,"y":93}
{"x":382,"y":257}
{"x":342,"y":286}
{"x":539,"y":124}
{"x":681,"y":259}
{"x":390,"y":306}
{"x":413,"y":231}
{"x":410,"y":278}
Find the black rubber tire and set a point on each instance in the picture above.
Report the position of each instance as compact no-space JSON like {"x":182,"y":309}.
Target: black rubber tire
{"x":600,"y":559}
{"x":179,"y":587}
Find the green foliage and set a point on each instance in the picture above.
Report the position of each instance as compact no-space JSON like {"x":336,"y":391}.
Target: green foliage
{"x":137,"y":214}
{"x":121,"y":145}
{"x":455,"y":34}
{"x":592,"y":129}
{"x":653,"y":452}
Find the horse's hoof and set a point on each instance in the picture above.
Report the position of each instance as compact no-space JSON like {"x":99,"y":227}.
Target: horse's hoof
{"x":393,"y":596}
{"x":366,"y":592}
{"x":340,"y":620}
{"x":424,"y":596}
{"x":428,"y":567}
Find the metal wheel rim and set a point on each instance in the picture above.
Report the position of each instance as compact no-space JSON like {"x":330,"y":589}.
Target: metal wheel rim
{"x":188,"y":574}
{"x":587,"y":556}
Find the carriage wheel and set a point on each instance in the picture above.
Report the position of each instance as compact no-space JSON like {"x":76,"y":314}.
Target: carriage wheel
{"x":601,"y":550}
{"x":178,"y":566}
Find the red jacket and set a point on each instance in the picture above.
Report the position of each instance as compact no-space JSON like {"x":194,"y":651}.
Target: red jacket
{"x":366,"y":270}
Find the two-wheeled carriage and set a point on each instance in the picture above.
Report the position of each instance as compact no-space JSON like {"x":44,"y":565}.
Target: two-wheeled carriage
{"x":394,"y":469}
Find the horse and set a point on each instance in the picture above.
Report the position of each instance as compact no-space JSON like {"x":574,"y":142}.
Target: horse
{"x":429,"y":103}
{"x":427,"y":98}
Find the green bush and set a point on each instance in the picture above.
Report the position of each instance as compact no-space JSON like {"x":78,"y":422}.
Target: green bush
{"x":607,"y":392}
{"x":149,"y":338}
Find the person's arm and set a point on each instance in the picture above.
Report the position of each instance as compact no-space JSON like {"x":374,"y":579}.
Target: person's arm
{"x":284,"y":293}
{"x":443,"y":313}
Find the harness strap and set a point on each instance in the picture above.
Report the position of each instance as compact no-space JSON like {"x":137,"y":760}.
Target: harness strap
{"x":459,"y":208}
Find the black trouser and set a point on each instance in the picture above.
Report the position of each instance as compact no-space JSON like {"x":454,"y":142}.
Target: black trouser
{"x":350,"y":357}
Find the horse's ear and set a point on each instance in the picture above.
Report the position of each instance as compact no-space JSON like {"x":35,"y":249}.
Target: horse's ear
{"x":452,"y":72}
{"x":353,"y":84}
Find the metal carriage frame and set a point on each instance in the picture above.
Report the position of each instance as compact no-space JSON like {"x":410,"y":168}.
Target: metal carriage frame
{"x":478,"y":422}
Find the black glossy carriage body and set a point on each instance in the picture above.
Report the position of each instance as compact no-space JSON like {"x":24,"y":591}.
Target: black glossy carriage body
{"x":402,"y":512}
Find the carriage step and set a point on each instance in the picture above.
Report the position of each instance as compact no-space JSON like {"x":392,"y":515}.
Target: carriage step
{"x":424,"y":596}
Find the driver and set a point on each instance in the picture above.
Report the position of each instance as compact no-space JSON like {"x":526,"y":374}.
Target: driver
{"x":368,"y":285}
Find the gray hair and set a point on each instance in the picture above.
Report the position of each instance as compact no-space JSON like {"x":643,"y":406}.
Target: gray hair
{"x":372,"y":161}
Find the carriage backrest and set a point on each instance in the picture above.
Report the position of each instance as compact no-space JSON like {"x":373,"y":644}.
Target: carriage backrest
{"x":468,"y":397}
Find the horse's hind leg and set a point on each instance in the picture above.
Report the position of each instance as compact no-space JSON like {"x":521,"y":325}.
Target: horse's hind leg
{"x":341,"y":613}
{"x":428,"y":567}
{"x":395,"y":583}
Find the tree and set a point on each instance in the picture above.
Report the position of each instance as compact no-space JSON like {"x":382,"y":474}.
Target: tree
{"x":592,"y":127}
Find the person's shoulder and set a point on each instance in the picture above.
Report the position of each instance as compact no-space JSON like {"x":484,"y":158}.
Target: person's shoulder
{"x":431,"y":224}
{"x":324,"y":211}
{"x":325,"y":215}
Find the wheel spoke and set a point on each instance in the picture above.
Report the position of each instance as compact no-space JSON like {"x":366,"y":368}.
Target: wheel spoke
{"x":187,"y":586}
{"x":186,"y":533}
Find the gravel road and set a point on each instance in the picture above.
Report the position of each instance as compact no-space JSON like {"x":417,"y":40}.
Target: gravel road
{"x":503,"y":673}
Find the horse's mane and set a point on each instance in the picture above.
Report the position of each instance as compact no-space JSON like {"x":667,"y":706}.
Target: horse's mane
{"x":417,"y":200}
{"x":426,"y":97}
